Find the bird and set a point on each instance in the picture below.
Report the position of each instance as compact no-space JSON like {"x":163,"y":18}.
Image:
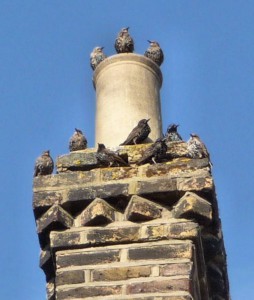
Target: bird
{"x":155,"y":152}
{"x":96,"y":57}
{"x":155,"y":53}
{"x":124,"y":42}
{"x":44,"y":164}
{"x":172,"y":135}
{"x":108,"y":157}
{"x":138,"y":134}
{"x":77,"y":141}
{"x":196,"y":148}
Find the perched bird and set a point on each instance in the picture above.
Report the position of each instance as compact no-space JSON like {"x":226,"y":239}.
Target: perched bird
{"x":124,"y":42}
{"x":138,"y":134}
{"x":96,"y":57}
{"x":155,"y":152}
{"x":155,"y":53}
{"x":77,"y":141}
{"x":108,"y":157}
{"x":172,"y":135}
{"x":44,"y":164}
{"x":196,"y":148}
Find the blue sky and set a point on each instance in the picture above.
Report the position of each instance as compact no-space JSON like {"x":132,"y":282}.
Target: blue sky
{"x":46,"y":91}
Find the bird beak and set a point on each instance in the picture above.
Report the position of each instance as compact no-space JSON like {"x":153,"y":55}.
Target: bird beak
{"x":147,"y":120}
{"x":127,"y":28}
{"x":149,"y":41}
{"x":102,"y":48}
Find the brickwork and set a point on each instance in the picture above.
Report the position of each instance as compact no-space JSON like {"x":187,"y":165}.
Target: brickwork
{"x":139,"y":232}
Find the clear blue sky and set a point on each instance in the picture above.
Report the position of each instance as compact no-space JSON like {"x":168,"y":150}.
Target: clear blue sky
{"x":46,"y":91}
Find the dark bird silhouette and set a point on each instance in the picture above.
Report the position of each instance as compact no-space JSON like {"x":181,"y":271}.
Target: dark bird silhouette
{"x":44,"y":164}
{"x":138,"y":134}
{"x":155,"y":152}
{"x":108,"y":157}
{"x":196,"y":148}
{"x":155,"y":53}
{"x":172,"y":135}
{"x":124,"y":42}
{"x":96,"y":57}
{"x":77,"y":141}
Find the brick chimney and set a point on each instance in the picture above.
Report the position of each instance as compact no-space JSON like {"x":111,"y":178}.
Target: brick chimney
{"x":139,"y":232}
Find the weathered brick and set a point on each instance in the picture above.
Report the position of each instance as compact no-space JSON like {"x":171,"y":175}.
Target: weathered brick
{"x":82,"y":258}
{"x":121,"y":273}
{"x":156,"y":185}
{"x":173,"y":250}
{"x":97,"y":213}
{"x":64,"y":239}
{"x":44,"y":200}
{"x":50,"y":289}
{"x":183,"y":230}
{"x":81,"y":292}
{"x":113,"y":235}
{"x":191,"y":206}
{"x":141,"y":209}
{"x":175,"y":269}
{"x":46,"y":263}
{"x":70,"y":277}
{"x":195,"y":183}
{"x":160,"y":284}
{"x":118,"y":173}
{"x":97,"y":191}
{"x":78,"y":160}
{"x":55,"y":218}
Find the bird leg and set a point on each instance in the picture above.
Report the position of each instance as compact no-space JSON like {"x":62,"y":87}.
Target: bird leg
{"x":153,"y":159}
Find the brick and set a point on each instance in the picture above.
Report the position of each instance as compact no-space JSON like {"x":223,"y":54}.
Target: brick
{"x":55,"y":218}
{"x":61,"y":180}
{"x":109,"y":174}
{"x":121,"y":273}
{"x":42,"y":201}
{"x":80,"y":160}
{"x":161,"y":285}
{"x":97,"y":191}
{"x":82,"y":258}
{"x":176,"y":269}
{"x":175,"y":167}
{"x":196,"y":183}
{"x":46,"y":263}
{"x":64,"y":293}
{"x":183,"y":230}
{"x":152,"y":296}
{"x":191,"y":206}
{"x":59,"y":240}
{"x":174,"y":250}
{"x":113,"y":235}
{"x":141,"y":209}
{"x":70,"y":277}
{"x":50,"y":289}
{"x":99,"y":212}
{"x":156,"y":185}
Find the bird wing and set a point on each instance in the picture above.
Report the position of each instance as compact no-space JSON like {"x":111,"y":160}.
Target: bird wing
{"x":134,"y":133}
{"x":116,"y":157}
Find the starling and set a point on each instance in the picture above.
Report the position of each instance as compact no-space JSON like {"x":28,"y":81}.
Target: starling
{"x":172,"y":135}
{"x":77,"y":141}
{"x":155,"y":53}
{"x":44,"y":164}
{"x":138,"y":134}
{"x":197,"y":148}
{"x":155,"y":152}
{"x":108,"y":157}
{"x":124,"y":42}
{"x":96,"y":57}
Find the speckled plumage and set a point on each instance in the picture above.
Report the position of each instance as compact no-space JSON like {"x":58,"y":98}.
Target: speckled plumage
{"x":172,"y":135}
{"x":44,"y":164}
{"x":77,"y":141}
{"x":196,"y":148}
{"x":96,"y":57}
{"x":124,"y":42}
{"x":109,"y":157}
{"x":138,"y":133}
{"x":155,"y":152}
{"x":155,"y":53}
